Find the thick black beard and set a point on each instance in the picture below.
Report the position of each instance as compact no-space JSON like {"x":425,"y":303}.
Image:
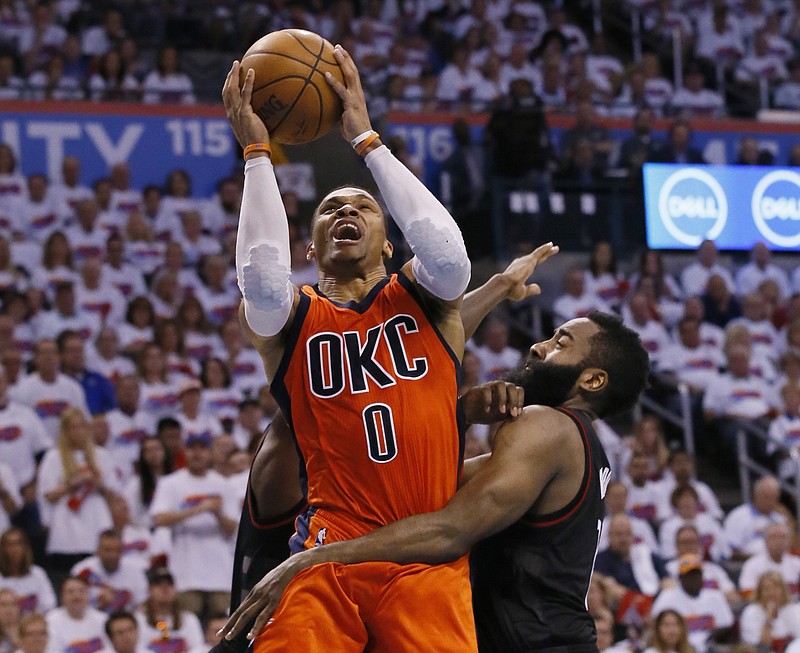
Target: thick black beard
{"x":545,"y":384}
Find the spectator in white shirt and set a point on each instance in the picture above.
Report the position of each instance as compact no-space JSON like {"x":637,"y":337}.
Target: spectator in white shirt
{"x":10,"y":498}
{"x":652,"y":333}
{"x":784,"y":433}
{"x":518,"y":66}
{"x":153,"y":463}
{"x":690,"y":360}
{"x":104,"y":357}
{"x":33,"y":633}
{"x":576,"y":302}
{"x":122,"y":630}
{"x":710,"y":334}
{"x":601,"y":277}
{"x":18,"y":573}
{"x":694,"y":100}
{"x":86,"y":238}
{"x":201,"y":509}
{"x":644,"y":499}
{"x":616,"y":503}
{"x":721,"y":43}
{"x":763,"y":334}
{"x":220,"y":301}
{"x":682,"y":472}
{"x":125,"y":277}
{"x":47,"y":391}
{"x":670,"y":634}
{"x":163,"y":625}
{"x":66,"y":314}
{"x":706,"y":611}
{"x":695,"y":276}
{"x":70,"y":191}
{"x":41,"y":38}
{"x":458,"y":80}
{"x":494,"y":354}
{"x":167,"y":84}
{"x":128,"y":425}
{"x":75,"y":626}
{"x":195,"y":422}
{"x":760,"y":64}
{"x":771,"y":616}
{"x":750,"y":276}
{"x":648,"y":440}
{"x":37,"y":215}
{"x":737,"y":393}
{"x":22,"y":438}
{"x":77,"y":479}
{"x":115,"y":583}
{"x":745,"y":525}
{"x":687,"y":540}
{"x":776,"y":557}
{"x":97,"y":296}
{"x":685,"y":502}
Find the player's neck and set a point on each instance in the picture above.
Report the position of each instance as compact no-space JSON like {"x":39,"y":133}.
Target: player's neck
{"x":350,"y":287}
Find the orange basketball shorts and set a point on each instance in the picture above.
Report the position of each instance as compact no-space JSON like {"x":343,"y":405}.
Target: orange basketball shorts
{"x":375,"y":606}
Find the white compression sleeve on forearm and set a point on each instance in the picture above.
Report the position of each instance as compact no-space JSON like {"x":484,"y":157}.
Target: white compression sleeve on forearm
{"x":263,"y":262}
{"x":440,"y":263}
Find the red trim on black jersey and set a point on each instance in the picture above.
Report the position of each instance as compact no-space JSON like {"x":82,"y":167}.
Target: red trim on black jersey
{"x":585,"y":482}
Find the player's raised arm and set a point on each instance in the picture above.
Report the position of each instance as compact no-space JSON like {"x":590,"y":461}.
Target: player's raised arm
{"x":262,"y":242}
{"x":440,"y":264}
{"x":511,"y":284}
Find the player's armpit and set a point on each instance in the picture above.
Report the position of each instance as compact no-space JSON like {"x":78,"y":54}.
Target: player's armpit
{"x":274,"y":478}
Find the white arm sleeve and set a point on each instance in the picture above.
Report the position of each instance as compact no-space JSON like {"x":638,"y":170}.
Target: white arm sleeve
{"x":263,"y":263}
{"x":440,"y":262}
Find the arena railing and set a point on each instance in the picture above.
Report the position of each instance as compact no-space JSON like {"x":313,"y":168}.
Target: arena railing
{"x":682,"y":419}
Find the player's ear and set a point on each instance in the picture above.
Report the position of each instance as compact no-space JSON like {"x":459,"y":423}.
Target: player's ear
{"x":388,"y":249}
{"x":593,"y":379}
{"x":310,"y":253}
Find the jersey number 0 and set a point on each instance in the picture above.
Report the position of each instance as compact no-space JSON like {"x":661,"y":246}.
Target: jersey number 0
{"x":379,"y":427}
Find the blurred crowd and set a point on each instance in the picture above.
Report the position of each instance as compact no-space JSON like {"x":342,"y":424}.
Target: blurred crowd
{"x":420,"y":55}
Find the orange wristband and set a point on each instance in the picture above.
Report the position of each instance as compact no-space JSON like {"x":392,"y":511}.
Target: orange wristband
{"x":258,"y":147}
{"x":363,"y":145}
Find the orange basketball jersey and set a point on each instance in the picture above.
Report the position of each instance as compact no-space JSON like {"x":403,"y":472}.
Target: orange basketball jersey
{"x":370,"y":391}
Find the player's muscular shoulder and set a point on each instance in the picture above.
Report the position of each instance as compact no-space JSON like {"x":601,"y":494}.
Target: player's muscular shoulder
{"x":541,"y":431}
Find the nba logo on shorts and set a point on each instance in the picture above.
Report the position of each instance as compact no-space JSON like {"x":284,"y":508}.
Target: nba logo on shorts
{"x":322,"y":533}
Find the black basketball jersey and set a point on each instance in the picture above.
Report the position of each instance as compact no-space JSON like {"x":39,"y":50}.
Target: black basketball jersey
{"x":530,"y":581}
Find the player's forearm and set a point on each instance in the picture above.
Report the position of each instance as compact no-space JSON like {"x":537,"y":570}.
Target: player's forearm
{"x":263,"y":262}
{"x":441,"y":265}
{"x":479,"y":303}
{"x":428,"y":538}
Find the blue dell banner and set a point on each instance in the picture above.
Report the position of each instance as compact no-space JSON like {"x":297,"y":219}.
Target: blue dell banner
{"x":152,"y":140}
{"x":735,"y":206}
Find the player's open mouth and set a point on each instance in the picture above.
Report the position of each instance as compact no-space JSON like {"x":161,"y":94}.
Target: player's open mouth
{"x":346,"y":231}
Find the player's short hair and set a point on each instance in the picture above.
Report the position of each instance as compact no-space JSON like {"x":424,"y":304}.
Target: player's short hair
{"x":360,"y":189}
{"x":618,"y":351}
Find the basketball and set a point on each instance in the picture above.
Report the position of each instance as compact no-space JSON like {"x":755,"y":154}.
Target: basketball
{"x":290,"y":93}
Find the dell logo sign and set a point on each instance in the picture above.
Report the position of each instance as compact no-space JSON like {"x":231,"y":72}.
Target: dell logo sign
{"x":776,"y":207}
{"x":693,"y":207}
